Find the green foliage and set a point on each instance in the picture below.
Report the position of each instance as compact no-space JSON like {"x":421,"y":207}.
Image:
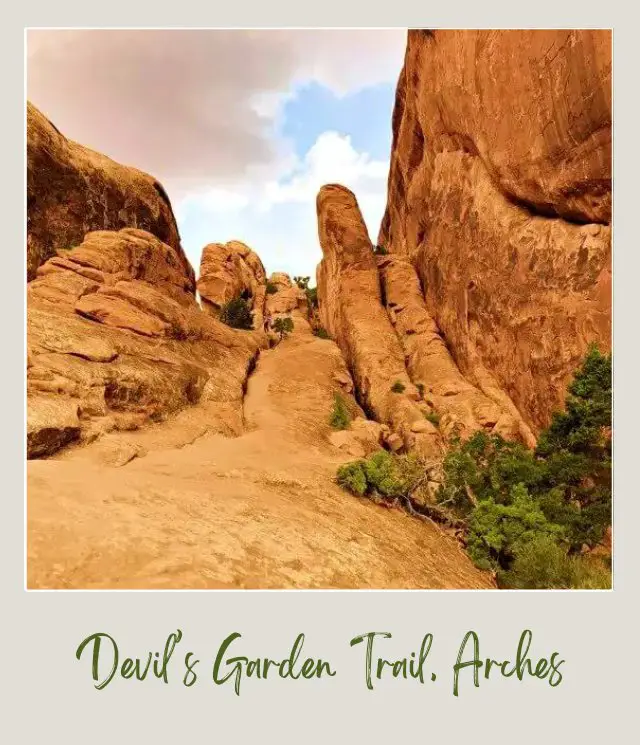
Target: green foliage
{"x":398,"y":387}
{"x":236,"y":313}
{"x":352,"y":477}
{"x":340,"y":417}
{"x":380,"y":251}
{"x":302,"y":282}
{"x":283,"y":326}
{"x":530,"y":513}
{"x":497,"y":532}
{"x":392,"y":475}
{"x":312,"y":297}
{"x":382,"y":475}
{"x":271,"y":288}
{"x":543,"y":563}
{"x":433,"y":417}
{"x":420,"y":387}
{"x":320,"y":332}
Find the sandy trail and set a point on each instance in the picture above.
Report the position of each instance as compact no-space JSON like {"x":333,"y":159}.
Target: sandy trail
{"x":200,"y":510}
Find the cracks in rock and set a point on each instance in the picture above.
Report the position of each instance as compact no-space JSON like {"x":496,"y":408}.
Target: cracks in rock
{"x":251,"y":367}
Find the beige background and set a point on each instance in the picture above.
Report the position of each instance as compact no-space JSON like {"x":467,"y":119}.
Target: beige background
{"x":48,"y":696}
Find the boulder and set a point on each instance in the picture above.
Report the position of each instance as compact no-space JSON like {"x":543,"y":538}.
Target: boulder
{"x":231,"y":270}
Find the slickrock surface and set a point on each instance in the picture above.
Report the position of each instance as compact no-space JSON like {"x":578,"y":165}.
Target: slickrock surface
{"x":166,"y":507}
{"x":227,"y":271}
{"x":72,"y":190}
{"x":116,"y":339}
{"x":500,"y":195}
{"x":352,"y":311}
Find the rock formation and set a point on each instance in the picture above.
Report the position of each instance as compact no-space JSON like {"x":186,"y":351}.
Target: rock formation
{"x":459,"y":407}
{"x":287,"y":297}
{"x":230,"y":270}
{"x":72,"y":190}
{"x":500,"y":195}
{"x":351,"y":310}
{"x":116,"y":339}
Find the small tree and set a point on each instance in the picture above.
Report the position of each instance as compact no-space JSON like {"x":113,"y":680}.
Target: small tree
{"x":236,"y":313}
{"x":380,"y":251}
{"x":302,"y":282}
{"x":398,"y":387}
{"x":283,"y":326}
{"x":340,"y":418}
{"x":271,"y":288}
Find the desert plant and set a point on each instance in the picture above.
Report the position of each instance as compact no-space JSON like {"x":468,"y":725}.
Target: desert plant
{"x":380,"y":251}
{"x":312,"y":298}
{"x":382,"y":475}
{"x":398,"y":387}
{"x":271,"y":288}
{"x":433,"y":417}
{"x":420,"y":387}
{"x":237,"y":314}
{"x":527,"y":515}
{"x":283,"y":326}
{"x":352,"y":477}
{"x":321,"y":333}
{"x":340,"y":417}
{"x":302,"y":282}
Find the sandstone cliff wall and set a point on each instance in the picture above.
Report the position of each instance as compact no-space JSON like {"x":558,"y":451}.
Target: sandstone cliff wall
{"x":72,"y":190}
{"x":500,"y":195}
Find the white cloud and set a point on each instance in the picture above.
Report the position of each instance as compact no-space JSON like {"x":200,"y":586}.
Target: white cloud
{"x":195,"y":108}
{"x":277,"y":218}
{"x":200,"y":111}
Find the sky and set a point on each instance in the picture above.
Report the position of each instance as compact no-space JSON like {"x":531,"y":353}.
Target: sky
{"x":241,"y":127}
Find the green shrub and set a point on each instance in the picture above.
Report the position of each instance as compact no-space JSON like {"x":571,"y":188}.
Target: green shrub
{"x":433,"y":417}
{"x":321,"y":333}
{"x":312,"y":297}
{"x":236,"y":313}
{"x":420,"y":387}
{"x":340,"y":417}
{"x":380,"y":251}
{"x":271,"y":288}
{"x":398,"y":387}
{"x":497,"y":532}
{"x":382,"y":474}
{"x":283,"y":326}
{"x":529,"y":513}
{"x":543,"y":563}
{"x":392,"y":475}
{"x":302,"y":282}
{"x":352,"y":477}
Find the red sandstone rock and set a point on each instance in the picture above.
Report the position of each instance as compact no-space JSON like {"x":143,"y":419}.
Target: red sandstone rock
{"x":72,"y":190}
{"x":129,"y":341}
{"x":352,"y":312}
{"x":501,"y":147}
{"x":227,"y":270}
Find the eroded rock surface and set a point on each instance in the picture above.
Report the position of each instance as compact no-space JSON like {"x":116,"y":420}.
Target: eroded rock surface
{"x":351,"y":310}
{"x":72,"y":190}
{"x":288,"y":295}
{"x":231,"y":270}
{"x":500,"y":195}
{"x":458,"y":406}
{"x":116,"y":336}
